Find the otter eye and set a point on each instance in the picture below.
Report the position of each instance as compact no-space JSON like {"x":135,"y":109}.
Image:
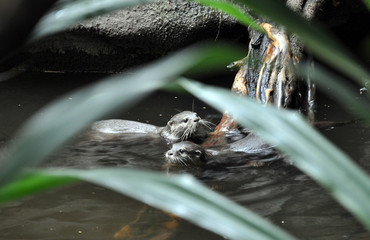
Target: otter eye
{"x":185,"y":120}
{"x":181,"y":150}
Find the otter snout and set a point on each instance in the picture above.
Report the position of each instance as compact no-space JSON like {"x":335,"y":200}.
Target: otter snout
{"x":169,"y":153}
{"x":170,"y":156}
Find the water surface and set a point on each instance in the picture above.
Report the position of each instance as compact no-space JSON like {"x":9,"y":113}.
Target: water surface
{"x":278,"y":192}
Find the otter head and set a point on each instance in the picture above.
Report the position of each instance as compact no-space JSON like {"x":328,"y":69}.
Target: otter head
{"x":185,"y":154}
{"x":182,"y":126}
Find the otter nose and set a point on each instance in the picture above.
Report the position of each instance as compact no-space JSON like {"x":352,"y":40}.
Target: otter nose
{"x":169,"y":153}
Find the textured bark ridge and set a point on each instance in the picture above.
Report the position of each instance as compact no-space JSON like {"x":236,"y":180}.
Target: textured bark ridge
{"x":129,"y":37}
{"x":266,"y":73}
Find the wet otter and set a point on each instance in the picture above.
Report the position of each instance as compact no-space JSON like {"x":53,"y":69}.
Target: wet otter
{"x":248,"y":149}
{"x":180,"y":127}
{"x":187,"y":153}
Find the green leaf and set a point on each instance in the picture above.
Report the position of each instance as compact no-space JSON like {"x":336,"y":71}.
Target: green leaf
{"x":69,"y":12}
{"x":232,"y":10}
{"x":31,"y":184}
{"x":311,"y":152}
{"x":337,"y":88}
{"x":321,"y":43}
{"x":181,"y":195}
{"x":367,"y":2}
{"x":55,"y":124}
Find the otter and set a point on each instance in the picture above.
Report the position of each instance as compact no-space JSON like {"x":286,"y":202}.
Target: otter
{"x":187,"y":153}
{"x":250,"y":149}
{"x":180,"y":127}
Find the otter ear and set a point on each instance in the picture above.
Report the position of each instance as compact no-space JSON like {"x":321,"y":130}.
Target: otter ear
{"x":198,"y":153}
{"x":170,"y":123}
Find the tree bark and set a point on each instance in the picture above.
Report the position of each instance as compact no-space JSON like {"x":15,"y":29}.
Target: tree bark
{"x":267,"y":74}
{"x":119,"y":40}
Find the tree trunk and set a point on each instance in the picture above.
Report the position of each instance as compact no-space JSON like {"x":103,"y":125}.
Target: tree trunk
{"x":266,"y":73}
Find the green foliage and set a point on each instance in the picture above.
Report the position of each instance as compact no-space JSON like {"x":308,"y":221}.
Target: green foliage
{"x":338,"y":88}
{"x":367,"y":2}
{"x":312,"y":153}
{"x":233,"y":10}
{"x":68,"y":12}
{"x":321,"y":43}
{"x":31,"y":184}
{"x":55,"y":124}
{"x":181,"y":195}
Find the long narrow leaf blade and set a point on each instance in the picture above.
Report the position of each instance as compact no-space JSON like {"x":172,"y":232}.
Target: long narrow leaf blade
{"x":318,"y":41}
{"x":181,"y":195}
{"x":232,"y":10}
{"x":55,"y":124}
{"x":337,"y":88}
{"x":31,"y":184}
{"x":311,"y":152}
{"x":367,"y":2}
{"x":69,"y":12}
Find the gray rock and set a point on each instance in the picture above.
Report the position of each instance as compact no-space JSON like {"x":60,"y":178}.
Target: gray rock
{"x":121,"y":39}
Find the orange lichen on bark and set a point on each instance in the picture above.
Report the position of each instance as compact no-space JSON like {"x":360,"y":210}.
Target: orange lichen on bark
{"x":156,"y":231}
{"x":274,"y":69}
{"x":217,"y":137}
{"x":173,"y":224}
{"x":124,"y":232}
{"x":239,"y":84}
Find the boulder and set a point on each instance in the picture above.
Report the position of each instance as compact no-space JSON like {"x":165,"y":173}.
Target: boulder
{"x":116,"y":41}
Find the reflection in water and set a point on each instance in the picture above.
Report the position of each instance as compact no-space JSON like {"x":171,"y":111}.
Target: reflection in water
{"x":278,"y":192}
{"x":128,"y":150}
{"x":162,"y":225}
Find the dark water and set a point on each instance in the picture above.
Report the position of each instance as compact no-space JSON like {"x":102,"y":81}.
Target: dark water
{"x":278,"y":192}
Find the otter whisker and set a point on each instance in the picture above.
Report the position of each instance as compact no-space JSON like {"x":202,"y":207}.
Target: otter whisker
{"x":176,"y":160}
{"x":191,"y":159}
{"x":188,"y":132}
{"x":184,"y":135}
{"x":207,"y":124}
{"x":182,"y":162}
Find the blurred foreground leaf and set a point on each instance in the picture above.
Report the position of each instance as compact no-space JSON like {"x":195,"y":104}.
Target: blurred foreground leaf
{"x":55,"y":124}
{"x":233,"y":10}
{"x":181,"y":195}
{"x":31,"y":184}
{"x":68,"y":12}
{"x":311,"y":152}
{"x":321,"y":43}
{"x":367,"y":2}
{"x":337,"y":88}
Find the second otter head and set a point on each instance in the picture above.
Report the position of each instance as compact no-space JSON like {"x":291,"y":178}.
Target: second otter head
{"x":186,"y":154}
